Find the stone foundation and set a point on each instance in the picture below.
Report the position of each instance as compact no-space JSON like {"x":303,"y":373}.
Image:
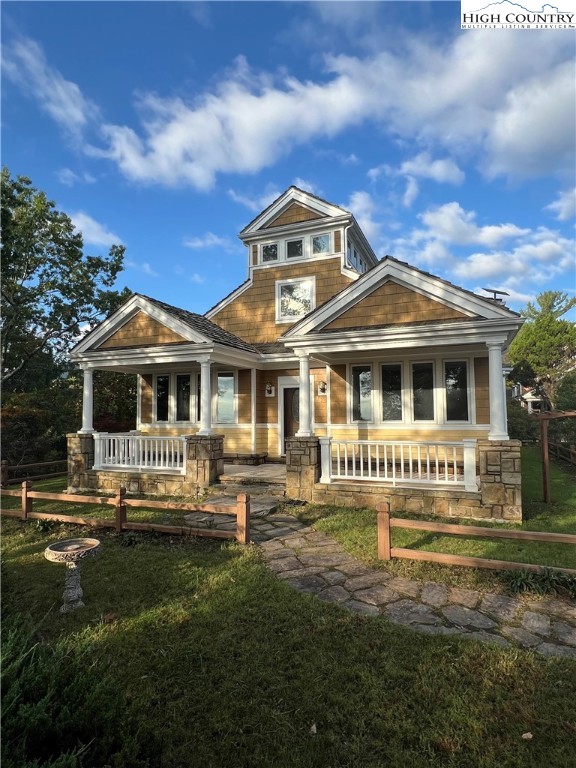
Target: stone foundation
{"x":499,"y":496}
{"x":204,"y":464}
{"x":246,"y":459}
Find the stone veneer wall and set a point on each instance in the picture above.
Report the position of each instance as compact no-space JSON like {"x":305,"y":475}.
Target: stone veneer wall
{"x":204,"y":464}
{"x":498,"y":498}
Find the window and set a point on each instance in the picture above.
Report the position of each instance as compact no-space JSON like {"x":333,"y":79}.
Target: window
{"x":361,"y":393}
{"x":225,"y":411}
{"x":294,"y":299}
{"x":392,"y":392}
{"x":183,"y":398}
{"x":423,"y":391}
{"x":321,"y":244}
{"x":270,"y":252}
{"x":162,"y":397}
{"x":294,"y":249}
{"x":456,"y":386}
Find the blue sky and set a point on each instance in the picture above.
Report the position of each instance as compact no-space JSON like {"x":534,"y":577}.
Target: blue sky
{"x":167,"y":126}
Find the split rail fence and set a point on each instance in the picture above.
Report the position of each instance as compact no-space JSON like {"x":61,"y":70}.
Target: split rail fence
{"x":120,"y":502}
{"x":10,"y":475}
{"x":386,"y":551}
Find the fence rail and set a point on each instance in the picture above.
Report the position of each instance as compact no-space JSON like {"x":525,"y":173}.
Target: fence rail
{"x":400,"y":463}
{"x":386,"y":551}
{"x":17,"y":470}
{"x":563,"y":451}
{"x":121,"y":503}
{"x":139,"y":453}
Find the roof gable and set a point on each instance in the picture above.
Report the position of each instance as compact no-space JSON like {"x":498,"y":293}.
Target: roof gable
{"x":292,"y":207}
{"x":141,"y":330}
{"x":394,"y":292}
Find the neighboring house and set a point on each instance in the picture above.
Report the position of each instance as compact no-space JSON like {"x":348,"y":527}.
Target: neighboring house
{"x":373,"y":374}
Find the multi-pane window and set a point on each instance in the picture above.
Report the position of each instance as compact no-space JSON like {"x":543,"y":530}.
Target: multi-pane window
{"x":270,"y":252}
{"x":183,"y":397}
{"x":321,"y":244}
{"x":361,"y":393}
{"x":294,"y":249}
{"x":423,"y":391}
{"x":225,"y":398}
{"x":392,"y":392}
{"x":456,"y":387}
{"x":162,"y":397}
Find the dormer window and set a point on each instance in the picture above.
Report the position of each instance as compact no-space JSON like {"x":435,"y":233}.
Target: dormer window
{"x":294,"y":299}
{"x":294,"y":249}
{"x":270,"y":252}
{"x":321,"y":244}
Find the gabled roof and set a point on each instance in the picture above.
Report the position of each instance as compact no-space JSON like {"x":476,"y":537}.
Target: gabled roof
{"x":293,"y":195}
{"x":191,"y":327}
{"x":469,"y":304}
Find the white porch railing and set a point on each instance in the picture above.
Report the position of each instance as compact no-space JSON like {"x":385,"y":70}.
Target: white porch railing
{"x":400,"y":463}
{"x":139,"y":453}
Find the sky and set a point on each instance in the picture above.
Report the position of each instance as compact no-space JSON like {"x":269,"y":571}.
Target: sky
{"x":168,"y":126}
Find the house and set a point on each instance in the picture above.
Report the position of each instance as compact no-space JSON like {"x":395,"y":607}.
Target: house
{"x":372,"y":379}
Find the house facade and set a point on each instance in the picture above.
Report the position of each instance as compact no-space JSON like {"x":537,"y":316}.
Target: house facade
{"x":371,"y":378}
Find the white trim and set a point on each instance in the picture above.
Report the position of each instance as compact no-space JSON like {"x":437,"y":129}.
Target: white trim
{"x":253,"y":407}
{"x":292,"y":195}
{"x":410,"y":277}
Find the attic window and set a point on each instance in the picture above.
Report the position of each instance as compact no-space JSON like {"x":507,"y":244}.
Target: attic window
{"x":270,"y":252}
{"x":294,"y":249}
{"x":321,"y":244}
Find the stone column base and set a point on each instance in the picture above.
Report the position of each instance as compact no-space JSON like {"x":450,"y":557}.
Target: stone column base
{"x":302,"y":467}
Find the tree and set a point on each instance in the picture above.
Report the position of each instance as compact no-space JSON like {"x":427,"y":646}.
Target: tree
{"x":545,"y":347}
{"x":51,"y":290}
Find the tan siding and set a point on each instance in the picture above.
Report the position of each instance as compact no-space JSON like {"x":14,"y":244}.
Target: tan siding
{"x":292,"y":215}
{"x":320,"y":401}
{"x":338,"y":394}
{"x":244,"y":397}
{"x":146,"y":393}
{"x":254,"y":255}
{"x":337,"y":241}
{"x":141,"y":331}
{"x":251,"y":316}
{"x":393,"y":303}
{"x":482,"y":390}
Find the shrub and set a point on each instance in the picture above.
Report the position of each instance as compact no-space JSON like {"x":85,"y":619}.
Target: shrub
{"x":521,"y":425}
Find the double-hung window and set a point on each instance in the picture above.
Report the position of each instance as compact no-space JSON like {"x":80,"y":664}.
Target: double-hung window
{"x":456,"y":390}
{"x":162,"y":398}
{"x":225,"y":398}
{"x":391,"y":382}
{"x":423,"y":391}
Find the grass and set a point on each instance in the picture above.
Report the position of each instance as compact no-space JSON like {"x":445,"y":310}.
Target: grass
{"x":228,"y":666}
{"x":356,"y":531}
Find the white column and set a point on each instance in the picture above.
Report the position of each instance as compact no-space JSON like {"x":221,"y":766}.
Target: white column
{"x":326,"y":459}
{"x":87,"y":403}
{"x":205,"y":398}
{"x":498,"y":422}
{"x":305,"y":429}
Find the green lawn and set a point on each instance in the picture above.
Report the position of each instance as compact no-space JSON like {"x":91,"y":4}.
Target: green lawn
{"x":356,"y":531}
{"x":222,"y":664}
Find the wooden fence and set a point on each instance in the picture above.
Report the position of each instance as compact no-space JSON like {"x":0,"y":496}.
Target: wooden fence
{"x":10,"y":475}
{"x":563,"y":451}
{"x":386,"y":551}
{"x":120,"y":502}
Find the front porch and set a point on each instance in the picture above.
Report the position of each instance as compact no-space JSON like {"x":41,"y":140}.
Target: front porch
{"x":470,"y":478}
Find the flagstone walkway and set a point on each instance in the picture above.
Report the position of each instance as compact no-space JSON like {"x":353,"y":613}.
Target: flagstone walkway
{"x":310,"y":561}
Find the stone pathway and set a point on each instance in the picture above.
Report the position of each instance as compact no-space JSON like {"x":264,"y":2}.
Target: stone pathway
{"x":310,"y":561}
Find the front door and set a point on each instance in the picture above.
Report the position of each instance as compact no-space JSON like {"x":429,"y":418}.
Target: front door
{"x":291,"y":412}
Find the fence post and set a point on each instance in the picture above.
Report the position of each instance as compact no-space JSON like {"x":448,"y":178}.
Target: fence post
{"x":120,"y":512}
{"x":4,"y":475}
{"x":26,"y":501}
{"x":243,"y":518}
{"x":383,"y":510}
{"x":326,"y":459}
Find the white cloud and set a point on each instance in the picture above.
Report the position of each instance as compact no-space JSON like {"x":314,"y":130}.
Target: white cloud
{"x":196,"y":278}
{"x":257,"y":203}
{"x":564,"y":207}
{"x":92,"y":231}
{"x":509,"y":105}
{"x":364,"y":209}
{"x":411,"y":192}
{"x":24,"y":63}
{"x":424,"y":167}
{"x":450,"y":223}
{"x":210,"y":240}
{"x":307,"y":186}
{"x":69,"y":178}
{"x":142,"y":266}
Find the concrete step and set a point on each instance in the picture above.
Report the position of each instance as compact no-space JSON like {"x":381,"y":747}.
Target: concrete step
{"x":254,"y":489}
